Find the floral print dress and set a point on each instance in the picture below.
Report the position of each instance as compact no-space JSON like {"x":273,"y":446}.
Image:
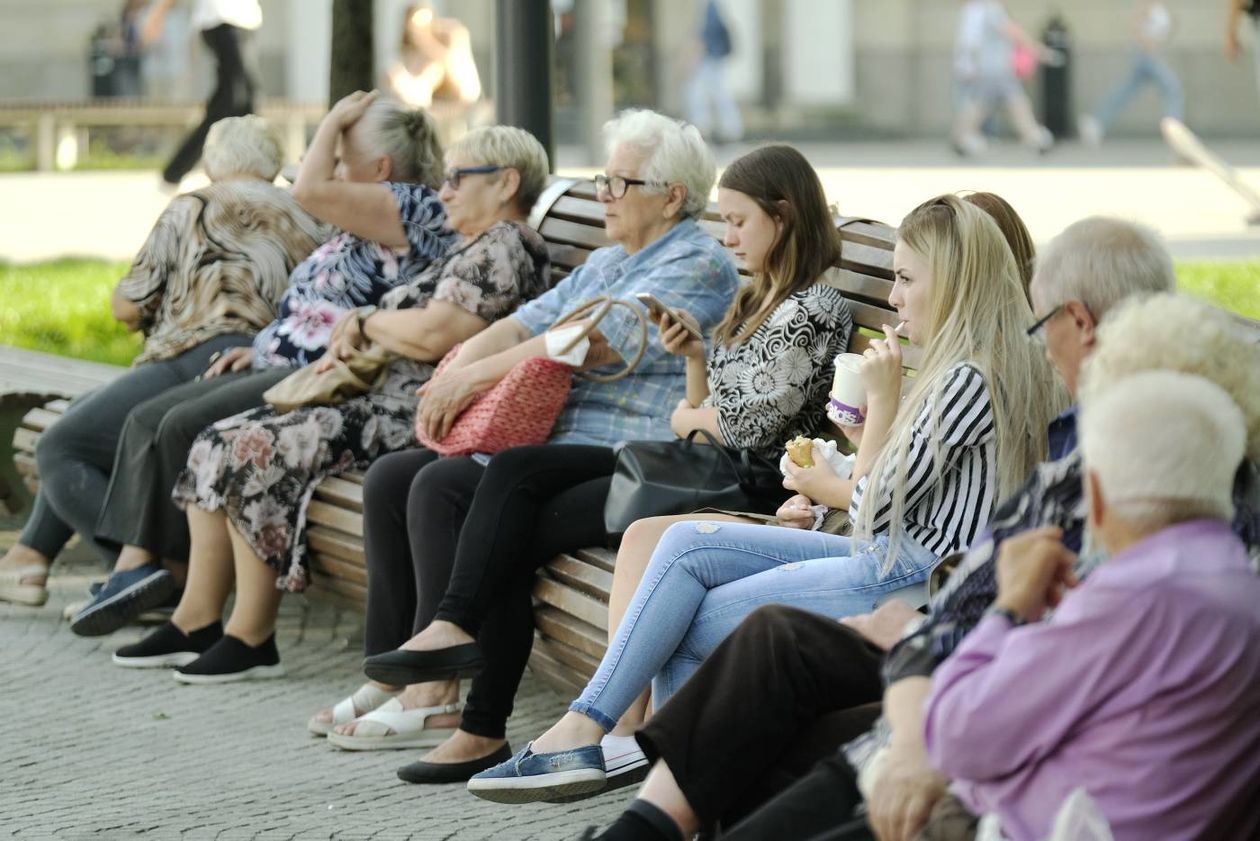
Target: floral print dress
{"x":261,"y":468}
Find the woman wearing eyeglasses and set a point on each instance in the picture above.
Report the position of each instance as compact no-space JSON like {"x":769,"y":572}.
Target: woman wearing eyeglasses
{"x":248,"y":478}
{"x":476,"y":526}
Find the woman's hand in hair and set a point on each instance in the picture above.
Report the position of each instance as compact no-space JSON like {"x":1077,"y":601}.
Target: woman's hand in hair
{"x":881,"y":370}
{"x":677,"y":339}
{"x":351,"y":108}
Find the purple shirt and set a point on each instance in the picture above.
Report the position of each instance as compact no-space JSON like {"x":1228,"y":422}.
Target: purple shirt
{"x":1143,"y":687}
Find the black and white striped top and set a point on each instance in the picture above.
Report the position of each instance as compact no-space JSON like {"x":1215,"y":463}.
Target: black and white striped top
{"x":945,"y":514}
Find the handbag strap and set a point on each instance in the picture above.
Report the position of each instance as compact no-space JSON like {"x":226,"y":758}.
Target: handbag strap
{"x":594,"y":311}
{"x":721,"y":448}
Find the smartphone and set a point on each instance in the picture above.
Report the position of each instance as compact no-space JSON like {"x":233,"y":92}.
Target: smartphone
{"x":656,"y":309}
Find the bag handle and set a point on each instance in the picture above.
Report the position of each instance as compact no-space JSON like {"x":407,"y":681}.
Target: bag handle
{"x":744,"y":474}
{"x":601,"y":306}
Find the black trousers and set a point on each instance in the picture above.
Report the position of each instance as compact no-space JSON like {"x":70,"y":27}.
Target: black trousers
{"x":819,"y":807}
{"x":233,"y":95}
{"x":153,"y":449}
{"x":446,"y":538}
{"x":782,"y":692}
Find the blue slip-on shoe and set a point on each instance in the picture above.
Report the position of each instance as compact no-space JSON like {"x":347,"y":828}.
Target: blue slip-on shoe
{"x":124,"y":597}
{"x":529,"y":777}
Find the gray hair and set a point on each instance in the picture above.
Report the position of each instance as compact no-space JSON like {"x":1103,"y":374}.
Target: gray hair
{"x":242,"y":146}
{"x":510,"y":147}
{"x":1100,"y":261}
{"x":673,"y":152}
{"x":409,"y":138}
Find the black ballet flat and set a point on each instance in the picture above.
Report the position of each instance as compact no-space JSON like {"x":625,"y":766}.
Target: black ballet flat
{"x":429,"y":773}
{"x":401,"y":667}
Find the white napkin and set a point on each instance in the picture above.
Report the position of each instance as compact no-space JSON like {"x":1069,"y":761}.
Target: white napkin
{"x":826,"y":451}
{"x":559,"y":337}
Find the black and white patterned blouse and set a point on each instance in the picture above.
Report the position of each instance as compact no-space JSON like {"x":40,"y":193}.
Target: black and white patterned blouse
{"x":773,"y":386}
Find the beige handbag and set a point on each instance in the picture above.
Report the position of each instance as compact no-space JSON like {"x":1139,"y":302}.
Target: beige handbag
{"x":358,"y":374}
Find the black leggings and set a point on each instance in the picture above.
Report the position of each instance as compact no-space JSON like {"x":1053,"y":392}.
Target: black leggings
{"x":446,"y":538}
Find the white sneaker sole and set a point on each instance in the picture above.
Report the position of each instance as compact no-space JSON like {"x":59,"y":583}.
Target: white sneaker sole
{"x":174,"y":660}
{"x":543,"y":787}
{"x":252,"y":673}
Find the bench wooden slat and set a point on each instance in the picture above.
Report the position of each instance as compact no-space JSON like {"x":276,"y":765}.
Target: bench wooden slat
{"x":574,"y":233}
{"x":582,"y":577}
{"x":597,"y":556}
{"x":571,"y":631}
{"x":559,"y":676}
{"x":338,"y":518}
{"x":37,"y":420}
{"x":578,"y":210}
{"x":577,"y":604}
{"x":339,"y":545}
{"x":577,"y":660}
{"x":348,"y":571}
{"x":865,"y":259}
{"x":342,"y":492}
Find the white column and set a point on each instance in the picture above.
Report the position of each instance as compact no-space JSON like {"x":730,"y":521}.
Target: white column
{"x":307,"y":50}
{"x":818,"y":52}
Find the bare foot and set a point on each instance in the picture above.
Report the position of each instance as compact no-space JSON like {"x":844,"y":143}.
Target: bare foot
{"x":439,"y":634}
{"x":418,"y":696}
{"x":325,"y":716}
{"x":21,"y":556}
{"x":463,"y":747}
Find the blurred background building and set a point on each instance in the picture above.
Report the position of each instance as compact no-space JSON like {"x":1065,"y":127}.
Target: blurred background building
{"x":799,"y":69}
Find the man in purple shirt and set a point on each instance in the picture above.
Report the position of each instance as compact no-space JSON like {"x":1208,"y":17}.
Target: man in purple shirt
{"x":1143,"y":688}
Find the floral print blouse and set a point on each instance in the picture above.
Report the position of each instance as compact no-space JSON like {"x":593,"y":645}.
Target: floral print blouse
{"x":347,"y":272}
{"x":773,"y":386}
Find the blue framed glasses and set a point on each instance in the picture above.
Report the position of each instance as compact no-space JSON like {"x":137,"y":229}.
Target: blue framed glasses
{"x":453,"y":175}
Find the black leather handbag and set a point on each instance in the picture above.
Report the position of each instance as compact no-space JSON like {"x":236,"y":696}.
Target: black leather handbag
{"x":654,"y":478}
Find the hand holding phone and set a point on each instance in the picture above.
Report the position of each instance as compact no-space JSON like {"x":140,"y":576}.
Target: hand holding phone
{"x":657,"y":309}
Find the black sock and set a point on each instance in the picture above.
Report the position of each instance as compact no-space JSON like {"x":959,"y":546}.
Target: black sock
{"x":642,"y":821}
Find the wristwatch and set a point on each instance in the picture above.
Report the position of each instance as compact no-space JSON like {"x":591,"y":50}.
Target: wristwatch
{"x":361,"y":315}
{"x":1011,"y":616}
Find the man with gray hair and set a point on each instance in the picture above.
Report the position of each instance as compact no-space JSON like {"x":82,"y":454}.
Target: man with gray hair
{"x":1019,"y":720}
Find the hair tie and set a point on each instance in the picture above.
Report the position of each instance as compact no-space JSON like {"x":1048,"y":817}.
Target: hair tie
{"x":414,"y":121}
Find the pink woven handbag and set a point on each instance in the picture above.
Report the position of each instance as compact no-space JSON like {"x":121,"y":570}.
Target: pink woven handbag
{"x":521,"y":408}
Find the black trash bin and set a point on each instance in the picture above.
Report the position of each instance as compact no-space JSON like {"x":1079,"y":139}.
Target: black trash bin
{"x":101,"y":63}
{"x":1056,"y":82}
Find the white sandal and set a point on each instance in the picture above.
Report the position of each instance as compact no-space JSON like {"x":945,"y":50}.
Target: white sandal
{"x":13,"y":590}
{"x":390,"y":726}
{"x":365,"y":699}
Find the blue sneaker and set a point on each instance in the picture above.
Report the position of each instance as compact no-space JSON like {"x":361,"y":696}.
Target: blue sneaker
{"x":124,"y":597}
{"x":529,"y":777}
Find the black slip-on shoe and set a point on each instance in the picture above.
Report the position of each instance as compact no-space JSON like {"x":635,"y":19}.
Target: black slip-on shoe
{"x":168,"y":646}
{"x":401,"y":667}
{"x":431,"y":773}
{"x":231,"y":659}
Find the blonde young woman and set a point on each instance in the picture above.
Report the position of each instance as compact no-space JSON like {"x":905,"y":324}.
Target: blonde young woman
{"x":928,"y":470}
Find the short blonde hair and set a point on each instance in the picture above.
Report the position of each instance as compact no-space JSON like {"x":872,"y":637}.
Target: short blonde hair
{"x":242,"y":146}
{"x":409,"y":138}
{"x":1101,"y":261}
{"x":673,"y":153}
{"x":511,"y":147}
{"x":1178,"y":333}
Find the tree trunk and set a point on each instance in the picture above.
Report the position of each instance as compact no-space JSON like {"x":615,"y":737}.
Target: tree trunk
{"x":352,"y":56}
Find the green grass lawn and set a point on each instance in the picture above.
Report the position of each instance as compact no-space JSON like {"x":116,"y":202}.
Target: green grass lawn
{"x":62,"y":306}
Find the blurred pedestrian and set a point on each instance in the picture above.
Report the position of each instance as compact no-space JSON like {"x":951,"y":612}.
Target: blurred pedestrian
{"x":1237,"y":9}
{"x":226,"y":26}
{"x":435,"y":70}
{"x":708,"y":88}
{"x":984,"y":69}
{"x":1152,"y":27}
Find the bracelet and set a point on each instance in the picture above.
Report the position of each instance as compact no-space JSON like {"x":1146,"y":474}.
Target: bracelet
{"x":1011,"y":616}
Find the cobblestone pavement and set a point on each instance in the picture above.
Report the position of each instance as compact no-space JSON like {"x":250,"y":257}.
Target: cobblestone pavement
{"x":89,"y":750}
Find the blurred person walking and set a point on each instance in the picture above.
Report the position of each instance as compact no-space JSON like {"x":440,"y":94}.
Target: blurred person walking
{"x":1237,"y":9}
{"x":708,"y":88}
{"x":984,"y":70}
{"x":226,"y":27}
{"x":1153,"y":25}
{"x":435,"y":70}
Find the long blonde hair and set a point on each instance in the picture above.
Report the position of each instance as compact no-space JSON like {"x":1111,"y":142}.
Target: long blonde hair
{"x":978,"y":315}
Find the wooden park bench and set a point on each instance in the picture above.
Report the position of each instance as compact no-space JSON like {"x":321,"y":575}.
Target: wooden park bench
{"x":571,"y":594}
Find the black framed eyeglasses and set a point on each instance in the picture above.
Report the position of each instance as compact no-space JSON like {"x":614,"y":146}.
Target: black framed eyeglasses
{"x":616,"y":185}
{"x":453,"y":175}
{"x":1035,"y":330}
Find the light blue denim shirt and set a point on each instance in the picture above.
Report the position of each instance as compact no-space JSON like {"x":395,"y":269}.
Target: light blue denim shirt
{"x":685,"y":268}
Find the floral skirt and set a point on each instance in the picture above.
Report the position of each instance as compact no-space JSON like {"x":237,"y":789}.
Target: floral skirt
{"x":261,"y":468}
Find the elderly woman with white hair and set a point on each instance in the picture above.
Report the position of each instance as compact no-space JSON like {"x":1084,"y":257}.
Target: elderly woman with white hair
{"x":389,"y":225}
{"x":1158,"y":722}
{"x":250,"y":477}
{"x":207,"y":279}
{"x":452,"y":543}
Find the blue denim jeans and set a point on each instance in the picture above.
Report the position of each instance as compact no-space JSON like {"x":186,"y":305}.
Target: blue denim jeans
{"x":705,"y":577}
{"x":1145,"y":68}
